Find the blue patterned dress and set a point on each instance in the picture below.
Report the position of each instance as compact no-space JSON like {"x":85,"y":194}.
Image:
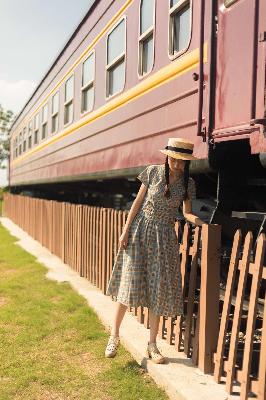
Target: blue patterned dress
{"x":147,"y":273}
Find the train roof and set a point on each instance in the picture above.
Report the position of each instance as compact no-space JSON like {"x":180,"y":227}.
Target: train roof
{"x":92,"y":5}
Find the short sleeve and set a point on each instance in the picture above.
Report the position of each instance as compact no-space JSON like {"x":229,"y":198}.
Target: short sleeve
{"x":145,"y":176}
{"x":191,"y":189}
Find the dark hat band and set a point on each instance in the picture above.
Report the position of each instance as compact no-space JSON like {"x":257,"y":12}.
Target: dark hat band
{"x":179,"y":150}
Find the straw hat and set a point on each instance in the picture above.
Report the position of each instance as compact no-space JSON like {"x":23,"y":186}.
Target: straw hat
{"x":179,"y":148}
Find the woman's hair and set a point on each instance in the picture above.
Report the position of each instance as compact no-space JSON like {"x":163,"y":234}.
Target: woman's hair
{"x":167,"y":192}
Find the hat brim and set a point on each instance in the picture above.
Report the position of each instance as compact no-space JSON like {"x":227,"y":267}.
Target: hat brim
{"x":180,"y":156}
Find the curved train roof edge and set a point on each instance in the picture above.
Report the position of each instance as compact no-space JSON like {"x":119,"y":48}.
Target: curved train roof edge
{"x":92,"y":5}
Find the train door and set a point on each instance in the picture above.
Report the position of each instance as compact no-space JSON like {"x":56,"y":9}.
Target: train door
{"x":237,"y":105}
{"x":237,"y":31}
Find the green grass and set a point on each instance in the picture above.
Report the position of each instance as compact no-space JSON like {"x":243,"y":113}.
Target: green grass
{"x":52,"y":344}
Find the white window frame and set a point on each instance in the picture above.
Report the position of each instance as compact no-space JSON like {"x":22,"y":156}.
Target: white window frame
{"x":142,"y":37}
{"x":44,"y":124}
{"x":116,"y":61}
{"x":36,"y":129}
{"x":89,"y":84}
{"x":56,"y":113}
{"x":20,"y":144}
{"x":30,"y":130}
{"x":24,"y":140}
{"x":173,"y":10}
{"x":66,"y":103}
{"x":15,"y":153}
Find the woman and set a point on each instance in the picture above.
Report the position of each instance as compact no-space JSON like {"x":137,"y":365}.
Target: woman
{"x":146,"y":271}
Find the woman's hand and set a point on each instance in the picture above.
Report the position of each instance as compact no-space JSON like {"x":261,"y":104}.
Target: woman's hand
{"x":194,"y":219}
{"x":123,"y":240}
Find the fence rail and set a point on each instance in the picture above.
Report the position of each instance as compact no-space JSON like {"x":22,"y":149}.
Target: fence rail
{"x":86,"y":238}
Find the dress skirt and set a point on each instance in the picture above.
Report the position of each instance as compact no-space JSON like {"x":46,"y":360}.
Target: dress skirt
{"x":147,"y":273}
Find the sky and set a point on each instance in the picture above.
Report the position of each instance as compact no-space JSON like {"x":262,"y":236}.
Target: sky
{"x":32,"y":34}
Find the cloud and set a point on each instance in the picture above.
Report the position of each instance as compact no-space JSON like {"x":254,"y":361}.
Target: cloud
{"x":14,"y":95}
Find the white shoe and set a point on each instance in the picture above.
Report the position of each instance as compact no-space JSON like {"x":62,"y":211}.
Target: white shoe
{"x":154,"y":353}
{"x":112,"y":346}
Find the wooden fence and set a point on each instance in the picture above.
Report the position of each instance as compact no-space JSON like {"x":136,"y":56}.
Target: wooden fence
{"x":241,"y":349}
{"x":86,"y":238}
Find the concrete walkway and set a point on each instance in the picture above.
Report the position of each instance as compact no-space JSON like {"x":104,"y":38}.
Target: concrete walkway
{"x":178,"y":377}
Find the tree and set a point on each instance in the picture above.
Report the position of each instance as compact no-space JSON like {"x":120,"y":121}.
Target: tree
{"x":6,"y":119}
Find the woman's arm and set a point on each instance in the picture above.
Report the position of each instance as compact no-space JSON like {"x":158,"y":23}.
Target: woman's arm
{"x":135,"y":206}
{"x":189,"y":216}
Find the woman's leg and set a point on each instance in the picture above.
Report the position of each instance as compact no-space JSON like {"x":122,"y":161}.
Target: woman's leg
{"x":119,"y":315}
{"x":154,"y":326}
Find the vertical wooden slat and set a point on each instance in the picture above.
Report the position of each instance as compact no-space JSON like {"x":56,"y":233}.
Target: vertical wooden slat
{"x":111,"y":240}
{"x":75,"y":236}
{"x":140,"y":316}
{"x":99,"y":275}
{"x":209,"y":289}
{"x":104,"y":251}
{"x":146,"y":321}
{"x":108,"y":244}
{"x":169,"y":326}
{"x":258,"y":265}
{"x":262,"y":364}
{"x":233,"y":266}
{"x":161,"y":327}
{"x":184,"y":251}
{"x":90,"y":243}
{"x":86,"y":242}
{"x":68,"y":234}
{"x":237,"y":313}
{"x":96,"y":246}
{"x":191,"y":292}
{"x":71,"y":243}
{"x":63,"y":230}
{"x":80,"y":244}
{"x":195,"y":348}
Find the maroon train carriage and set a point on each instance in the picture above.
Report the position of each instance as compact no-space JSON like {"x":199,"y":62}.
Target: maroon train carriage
{"x":133,"y":74}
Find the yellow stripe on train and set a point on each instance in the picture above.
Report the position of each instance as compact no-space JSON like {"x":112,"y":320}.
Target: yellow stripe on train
{"x":161,"y":77}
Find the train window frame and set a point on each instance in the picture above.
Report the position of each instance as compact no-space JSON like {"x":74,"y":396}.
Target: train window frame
{"x":142,"y":37}
{"x":20,"y":144}
{"x":36,"y":127}
{"x":70,"y":101}
{"x":16,"y":147}
{"x":173,"y":10}
{"x":44,"y":124}
{"x":229,"y":3}
{"x":24,"y":139}
{"x":55,"y":114}
{"x":30,"y":135}
{"x":116,"y":61}
{"x":88,"y":85}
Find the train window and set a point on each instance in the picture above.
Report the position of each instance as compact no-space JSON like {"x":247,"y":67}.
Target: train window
{"x":55,"y":111}
{"x":68,"y":104}
{"x":36,"y":129}
{"x":146,"y":36}
{"x":87,"y":90}
{"x":116,"y":59}
{"x":24,"y":139}
{"x":179,"y":26}
{"x":44,"y":121}
{"x":20,"y":144}
{"x":30,"y":135}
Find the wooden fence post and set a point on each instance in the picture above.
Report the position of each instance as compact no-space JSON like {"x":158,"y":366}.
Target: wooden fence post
{"x":209,"y":295}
